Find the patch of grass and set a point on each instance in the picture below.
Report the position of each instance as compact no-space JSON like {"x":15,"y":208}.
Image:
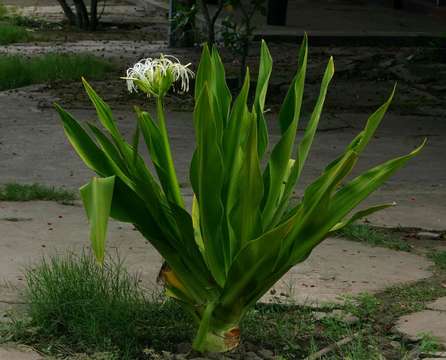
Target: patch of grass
{"x":20,"y":192}
{"x":3,"y":11}
{"x":285,"y":329}
{"x":75,"y":305}
{"x":428,"y":343}
{"x":405,"y":299}
{"x":17,"y":71}
{"x":364,"y":305}
{"x":373,"y":236}
{"x":439,"y":258}
{"x":12,"y":34}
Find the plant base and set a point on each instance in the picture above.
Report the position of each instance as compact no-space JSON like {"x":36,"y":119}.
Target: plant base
{"x":219,"y":341}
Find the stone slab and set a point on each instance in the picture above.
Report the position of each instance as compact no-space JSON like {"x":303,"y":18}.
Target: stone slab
{"x":335,"y":268}
{"x":22,"y":353}
{"x":439,"y":304}
{"x":427,"y":321}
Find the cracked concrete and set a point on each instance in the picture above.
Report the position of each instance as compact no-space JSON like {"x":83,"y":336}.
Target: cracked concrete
{"x":33,"y":148}
{"x":337,"y":267}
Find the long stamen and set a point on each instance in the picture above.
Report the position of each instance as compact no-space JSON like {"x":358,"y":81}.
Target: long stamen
{"x":149,"y":70}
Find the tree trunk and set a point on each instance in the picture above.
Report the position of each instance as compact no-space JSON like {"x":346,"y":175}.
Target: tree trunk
{"x":81,"y":14}
{"x":397,"y":4}
{"x":93,"y":14}
{"x":244,"y":58}
{"x":68,"y":12}
{"x":277,"y":11}
{"x":207,"y":17}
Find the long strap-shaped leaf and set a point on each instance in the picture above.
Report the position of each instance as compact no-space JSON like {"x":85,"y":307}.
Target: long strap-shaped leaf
{"x":84,"y":146}
{"x":104,"y":112}
{"x":359,"y":188}
{"x":359,"y":215}
{"x":222,"y":94}
{"x":304,"y":145}
{"x":232,"y":136}
{"x":343,"y":201}
{"x":207,"y":179}
{"x":265,"y":69}
{"x":253,"y":264}
{"x":363,"y":138}
{"x":97,"y":197}
{"x":275,"y":173}
{"x":245,"y":217}
{"x":316,"y":204}
{"x":234,"y":140}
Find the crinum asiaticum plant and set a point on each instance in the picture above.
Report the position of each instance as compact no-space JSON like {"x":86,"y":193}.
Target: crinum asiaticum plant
{"x":241,"y":235}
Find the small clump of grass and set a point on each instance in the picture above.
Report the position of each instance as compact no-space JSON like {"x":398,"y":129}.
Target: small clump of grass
{"x":372,"y":236}
{"x":78,"y":306}
{"x":3,"y":10}
{"x":439,"y":259}
{"x":17,"y":71}
{"x":10,"y":34}
{"x":26,"y":192}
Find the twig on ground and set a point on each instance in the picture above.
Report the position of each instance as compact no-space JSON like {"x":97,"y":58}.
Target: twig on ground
{"x":13,"y":302}
{"x":333,"y":347}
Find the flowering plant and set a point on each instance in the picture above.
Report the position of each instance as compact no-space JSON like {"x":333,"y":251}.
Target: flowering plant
{"x":241,"y":235}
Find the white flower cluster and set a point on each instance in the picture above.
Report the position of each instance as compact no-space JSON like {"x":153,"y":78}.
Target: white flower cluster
{"x":157,"y":75}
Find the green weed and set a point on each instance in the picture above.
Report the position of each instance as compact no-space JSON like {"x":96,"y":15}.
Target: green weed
{"x":439,"y":259}
{"x":17,"y":71}
{"x":428,"y":343}
{"x":373,"y":236}
{"x":12,"y":34}
{"x":75,"y":305}
{"x":23,"y":192}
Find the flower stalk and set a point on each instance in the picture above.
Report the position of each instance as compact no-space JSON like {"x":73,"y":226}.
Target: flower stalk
{"x":171,"y":173}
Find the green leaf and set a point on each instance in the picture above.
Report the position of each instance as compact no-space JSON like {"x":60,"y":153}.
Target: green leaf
{"x":341,"y":203}
{"x":85,"y":147}
{"x":97,"y":198}
{"x":360,"y":214}
{"x":221,"y":91}
{"x":362,"y":139}
{"x":315,"y":208}
{"x":253,"y":264}
{"x":236,"y":127}
{"x":275,"y":174}
{"x":359,"y":188}
{"x":290,"y":109}
{"x":209,"y":182}
{"x":103,"y":110}
{"x":204,"y":72}
{"x":245,"y":217}
{"x":305,"y":144}
{"x":196,"y":224}
{"x":265,"y":69}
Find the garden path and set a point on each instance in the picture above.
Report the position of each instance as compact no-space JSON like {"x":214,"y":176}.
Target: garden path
{"x":430,"y":321}
{"x":31,"y":230}
{"x":34,"y":149}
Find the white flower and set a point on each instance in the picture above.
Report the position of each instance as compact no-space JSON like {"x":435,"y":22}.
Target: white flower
{"x":156,"y":76}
